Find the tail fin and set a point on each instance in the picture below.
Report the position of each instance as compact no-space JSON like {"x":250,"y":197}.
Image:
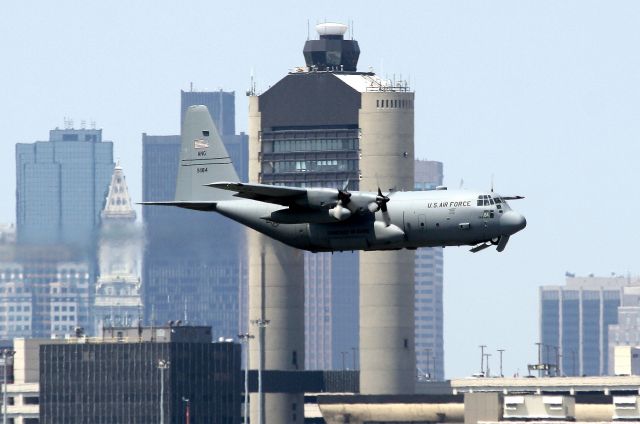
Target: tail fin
{"x":203,"y":159}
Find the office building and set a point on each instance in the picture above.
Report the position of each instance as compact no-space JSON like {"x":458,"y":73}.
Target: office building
{"x":131,"y":374}
{"x":117,"y":300}
{"x":429,"y":339}
{"x":23,"y":390}
{"x":45,"y":291}
{"x":193,"y":266}
{"x":575,"y":320}
{"x":626,"y":332}
{"x":61,"y":185}
{"x":323,"y":125}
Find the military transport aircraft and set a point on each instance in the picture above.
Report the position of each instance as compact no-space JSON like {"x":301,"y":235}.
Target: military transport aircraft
{"x":328,"y":220}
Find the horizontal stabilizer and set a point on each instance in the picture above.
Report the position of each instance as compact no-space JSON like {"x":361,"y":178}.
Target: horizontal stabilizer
{"x":197,"y":206}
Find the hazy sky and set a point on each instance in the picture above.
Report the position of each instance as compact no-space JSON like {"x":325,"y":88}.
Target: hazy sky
{"x":545,"y":95}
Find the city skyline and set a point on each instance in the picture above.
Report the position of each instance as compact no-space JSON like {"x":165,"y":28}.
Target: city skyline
{"x":548,"y":109}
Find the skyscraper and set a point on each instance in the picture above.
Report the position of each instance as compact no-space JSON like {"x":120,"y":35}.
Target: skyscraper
{"x":117,"y":293}
{"x":575,"y":319}
{"x":61,"y":185}
{"x":429,"y":286}
{"x":193,"y":261}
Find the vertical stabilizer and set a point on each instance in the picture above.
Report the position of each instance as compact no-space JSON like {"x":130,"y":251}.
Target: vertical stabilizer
{"x":203,"y":159}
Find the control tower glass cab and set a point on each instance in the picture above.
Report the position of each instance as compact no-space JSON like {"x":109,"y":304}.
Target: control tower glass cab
{"x":331,"y":52}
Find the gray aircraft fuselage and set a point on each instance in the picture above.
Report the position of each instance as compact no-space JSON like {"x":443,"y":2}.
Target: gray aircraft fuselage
{"x":416,"y":219}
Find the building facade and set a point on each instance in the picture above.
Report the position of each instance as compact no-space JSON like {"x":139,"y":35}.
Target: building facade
{"x":193,"y":265}
{"x":61,"y":185}
{"x":130,"y":375}
{"x":575,"y":321}
{"x":429,"y":314}
{"x":117,"y":300}
{"x":44,"y":291}
{"x":627,"y":330}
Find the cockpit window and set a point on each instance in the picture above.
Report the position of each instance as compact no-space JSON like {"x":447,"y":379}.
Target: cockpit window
{"x":487,"y":200}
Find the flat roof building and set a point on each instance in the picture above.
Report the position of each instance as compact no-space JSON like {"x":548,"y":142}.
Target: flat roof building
{"x":131,"y":374}
{"x":575,"y":321}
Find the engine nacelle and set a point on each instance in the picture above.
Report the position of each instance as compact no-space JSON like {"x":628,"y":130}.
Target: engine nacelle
{"x":387,"y":234}
{"x":339,"y":212}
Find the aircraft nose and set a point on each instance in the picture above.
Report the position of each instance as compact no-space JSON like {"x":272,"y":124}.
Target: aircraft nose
{"x":512,"y":222}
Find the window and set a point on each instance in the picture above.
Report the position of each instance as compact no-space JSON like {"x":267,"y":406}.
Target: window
{"x":31,"y":400}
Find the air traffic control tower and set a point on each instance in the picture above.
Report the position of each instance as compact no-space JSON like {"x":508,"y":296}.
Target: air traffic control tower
{"x":320,"y":126}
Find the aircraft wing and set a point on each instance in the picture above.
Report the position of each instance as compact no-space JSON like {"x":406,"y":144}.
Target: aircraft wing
{"x":198,"y":206}
{"x":279,"y":195}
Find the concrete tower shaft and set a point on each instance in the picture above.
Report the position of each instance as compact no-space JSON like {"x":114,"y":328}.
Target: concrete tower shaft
{"x":387,"y":351}
{"x":280,"y":270}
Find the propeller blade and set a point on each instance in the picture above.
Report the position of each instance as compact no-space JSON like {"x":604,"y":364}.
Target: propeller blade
{"x":386,"y":218}
{"x":382,"y":200}
{"x":344,"y":197}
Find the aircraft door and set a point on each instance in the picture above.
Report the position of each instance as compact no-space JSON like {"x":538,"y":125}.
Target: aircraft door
{"x":415,"y":225}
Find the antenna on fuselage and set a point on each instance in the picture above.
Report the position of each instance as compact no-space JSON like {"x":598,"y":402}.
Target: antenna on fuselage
{"x":491,"y":183}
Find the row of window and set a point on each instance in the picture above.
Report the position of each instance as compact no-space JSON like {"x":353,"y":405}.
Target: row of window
{"x":394,"y":103}
{"x":64,"y":308}
{"x":14,"y":328}
{"x":21,"y":290}
{"x":312,"y":166}
{"x":311,"y":145}
{"x":15,"y":318}
{"x":64,"y":318}
{"x":118,"y":202}
{"x":18,"y":308}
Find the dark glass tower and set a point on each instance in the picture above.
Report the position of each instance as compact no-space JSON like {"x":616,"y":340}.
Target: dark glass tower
{"x":575,"y":320}
{"x":61,"y":186}
{"x":193,"y":266}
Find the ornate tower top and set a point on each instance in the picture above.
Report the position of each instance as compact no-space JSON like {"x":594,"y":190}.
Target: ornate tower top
{"x":118,"y":205}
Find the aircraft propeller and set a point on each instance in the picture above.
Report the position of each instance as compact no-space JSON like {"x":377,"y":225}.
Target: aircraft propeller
{"x":340,"y":211}
{"x":381,"y":201}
